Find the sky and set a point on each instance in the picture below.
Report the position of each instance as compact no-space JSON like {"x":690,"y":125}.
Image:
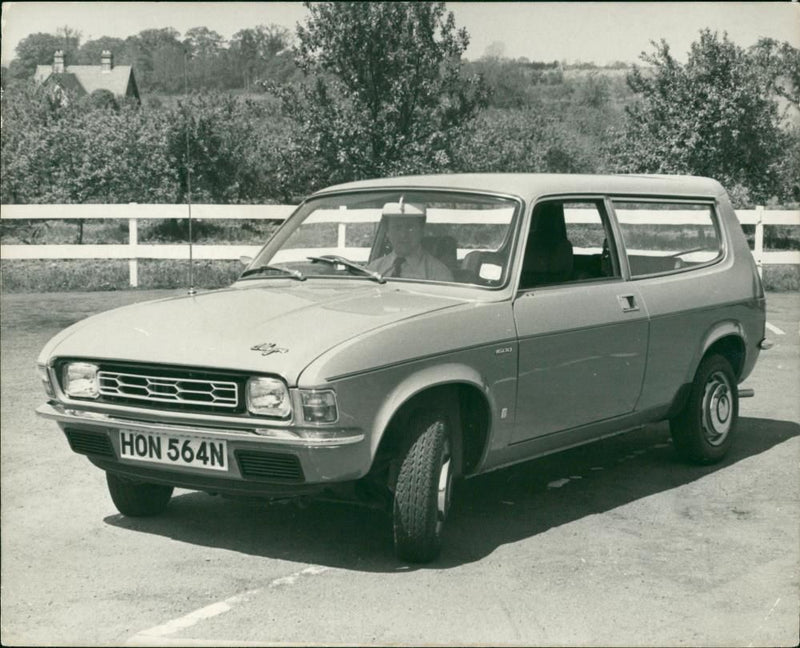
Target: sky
{"x":597,"y":32}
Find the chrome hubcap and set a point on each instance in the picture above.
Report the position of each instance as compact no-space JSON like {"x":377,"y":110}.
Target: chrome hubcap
{"x":443,"y":492}
{"x":717,"y":409}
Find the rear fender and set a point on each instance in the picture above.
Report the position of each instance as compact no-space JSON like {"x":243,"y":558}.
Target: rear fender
{"x":717,"y":332}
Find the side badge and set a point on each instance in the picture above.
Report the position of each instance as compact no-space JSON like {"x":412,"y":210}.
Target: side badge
{"x":268,"y":348}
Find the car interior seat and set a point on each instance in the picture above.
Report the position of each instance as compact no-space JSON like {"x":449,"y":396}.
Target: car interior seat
{"x":548,"y":253}
{"x":475,"y":260}
{"x":443,"y":248}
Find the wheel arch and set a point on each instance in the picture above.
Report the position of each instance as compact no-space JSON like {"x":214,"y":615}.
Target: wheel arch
{"x":727,"y":340}
{"x":460,"y":390}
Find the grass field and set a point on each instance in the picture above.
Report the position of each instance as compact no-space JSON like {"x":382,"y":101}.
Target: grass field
{"x":71,"y":275}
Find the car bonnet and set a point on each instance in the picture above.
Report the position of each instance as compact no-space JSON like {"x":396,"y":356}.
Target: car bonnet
{"x":272,"y":327}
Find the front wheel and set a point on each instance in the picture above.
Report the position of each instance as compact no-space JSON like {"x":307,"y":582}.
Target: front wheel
{"x":703,"y":431}
{"x":423,"y":491}
{"x":136,"y":499}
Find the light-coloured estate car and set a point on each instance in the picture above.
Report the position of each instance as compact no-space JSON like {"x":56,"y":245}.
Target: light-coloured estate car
{"x":396,"y":334}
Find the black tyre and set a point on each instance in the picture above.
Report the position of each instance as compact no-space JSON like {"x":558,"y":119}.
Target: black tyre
{"x":704,"y":429}
{"x":423,"y":491}
{"x":136,"y":499}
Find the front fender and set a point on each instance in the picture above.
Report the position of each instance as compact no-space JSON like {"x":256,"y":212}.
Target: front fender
{"x":418,"y":382}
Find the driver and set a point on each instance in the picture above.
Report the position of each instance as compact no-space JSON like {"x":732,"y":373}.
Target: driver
{"x":405,"y":223}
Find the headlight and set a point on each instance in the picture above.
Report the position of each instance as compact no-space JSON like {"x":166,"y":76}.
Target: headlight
{"x":319,"y":406}
{"x":44,"y":376}
{"x":268,"y":396}
{"x":80,"y":380}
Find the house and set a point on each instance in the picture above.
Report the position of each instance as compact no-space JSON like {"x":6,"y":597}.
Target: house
{"x":85,"y":79}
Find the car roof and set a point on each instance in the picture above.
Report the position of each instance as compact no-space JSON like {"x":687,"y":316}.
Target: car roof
{"x":532,"y":185}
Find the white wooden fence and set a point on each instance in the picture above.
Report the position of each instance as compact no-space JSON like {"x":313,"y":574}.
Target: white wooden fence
{"x":133,"y":250}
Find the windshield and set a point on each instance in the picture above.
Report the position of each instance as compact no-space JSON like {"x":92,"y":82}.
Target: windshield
{"x":395,"y":236}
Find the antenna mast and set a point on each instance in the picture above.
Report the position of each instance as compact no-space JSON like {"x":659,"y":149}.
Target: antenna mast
{"x":192,"y":291}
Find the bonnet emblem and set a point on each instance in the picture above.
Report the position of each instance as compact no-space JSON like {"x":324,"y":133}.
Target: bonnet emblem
{"x":268,"y":348}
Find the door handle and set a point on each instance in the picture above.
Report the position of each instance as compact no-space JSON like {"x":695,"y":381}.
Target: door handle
{"x":628,"y":303}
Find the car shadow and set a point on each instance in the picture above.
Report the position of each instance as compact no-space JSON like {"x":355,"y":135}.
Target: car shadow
{"x":488,"y":511}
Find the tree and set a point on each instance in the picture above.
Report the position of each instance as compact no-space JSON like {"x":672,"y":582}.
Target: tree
{"x":261,"y":53}
{"x":157,"y":56}
{"x":524,"y":141}
{"x":780,"y":65}
{"x":91,"y":52}
{"x":205,"y":65}
{"x":203,"y":42}
{"x":384,"y":92}
{"x":79,"y":153}
{"x":103,"y":99}
{"x":39,"y":48}
{"x":712,"y":116}
{"x":508,"y":82}
{"x":231,"y":153}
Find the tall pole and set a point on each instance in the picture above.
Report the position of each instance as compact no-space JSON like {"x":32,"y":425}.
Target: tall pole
{"x":192,"y":290}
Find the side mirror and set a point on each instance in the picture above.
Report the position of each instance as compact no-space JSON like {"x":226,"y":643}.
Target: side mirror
{"x":246,"y":260}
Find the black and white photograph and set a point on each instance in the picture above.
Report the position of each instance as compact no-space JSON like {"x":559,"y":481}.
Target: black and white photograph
{"x":400,"y":324}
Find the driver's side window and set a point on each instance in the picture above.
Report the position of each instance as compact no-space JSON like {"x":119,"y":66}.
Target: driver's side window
{"x":569,"y":241}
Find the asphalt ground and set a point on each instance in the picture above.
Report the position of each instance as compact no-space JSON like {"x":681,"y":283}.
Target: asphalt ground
{"x":613,"y":543}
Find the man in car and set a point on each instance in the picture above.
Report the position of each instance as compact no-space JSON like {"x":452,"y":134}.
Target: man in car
{"x":405,"y":229}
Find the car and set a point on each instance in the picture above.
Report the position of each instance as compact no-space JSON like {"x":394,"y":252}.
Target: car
{"x":397,"y":334}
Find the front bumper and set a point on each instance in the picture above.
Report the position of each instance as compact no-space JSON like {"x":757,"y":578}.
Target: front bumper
{"x":256,"y":464}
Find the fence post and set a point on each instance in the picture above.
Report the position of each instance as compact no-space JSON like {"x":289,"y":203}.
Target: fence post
{"x":341,"y":237}
{"x":758,"y":251}
{"x":133,"y":241}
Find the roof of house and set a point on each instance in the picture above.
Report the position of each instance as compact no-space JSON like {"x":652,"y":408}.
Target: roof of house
{"x":89,"y":77}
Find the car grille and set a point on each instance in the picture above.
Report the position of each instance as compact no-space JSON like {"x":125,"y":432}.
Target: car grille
{"x":270,"y":466}
{"x":162,"y":389}
{"x":168,"y":387}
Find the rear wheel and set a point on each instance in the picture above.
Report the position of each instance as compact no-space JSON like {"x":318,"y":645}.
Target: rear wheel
{"x":423,"y":491}
{"x":703,"y":431}
{"x":136,"y":499}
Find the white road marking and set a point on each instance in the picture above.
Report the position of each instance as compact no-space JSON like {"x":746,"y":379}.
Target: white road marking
{"x":158,"y":634}
{"x":558,"y":483}
{"x":775,"y":329}
{"x":188,"y":620}
{"x":766,"y":618}
{"x":292,"y":578}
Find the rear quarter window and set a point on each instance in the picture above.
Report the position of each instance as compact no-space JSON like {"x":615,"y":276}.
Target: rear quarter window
{"x":662,"y":236}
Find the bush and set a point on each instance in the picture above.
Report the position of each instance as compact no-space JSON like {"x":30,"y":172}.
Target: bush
{"x":781,"y":278}
{"x":21,"y":276}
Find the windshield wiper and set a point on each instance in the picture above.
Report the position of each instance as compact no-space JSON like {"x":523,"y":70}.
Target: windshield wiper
{"x":335,"y":259}
{"x":295,"y":274}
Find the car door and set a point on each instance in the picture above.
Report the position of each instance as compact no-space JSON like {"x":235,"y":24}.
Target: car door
{"x":582,"y":329}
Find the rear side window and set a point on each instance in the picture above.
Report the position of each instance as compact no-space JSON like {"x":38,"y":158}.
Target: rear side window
{"x":663,"y":236}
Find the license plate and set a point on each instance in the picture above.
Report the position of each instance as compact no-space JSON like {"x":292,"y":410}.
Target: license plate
{"x":174,"y":449}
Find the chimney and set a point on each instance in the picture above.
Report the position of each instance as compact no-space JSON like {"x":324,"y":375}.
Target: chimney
{"x":106,"y":61}
{"x":58,"y":62}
